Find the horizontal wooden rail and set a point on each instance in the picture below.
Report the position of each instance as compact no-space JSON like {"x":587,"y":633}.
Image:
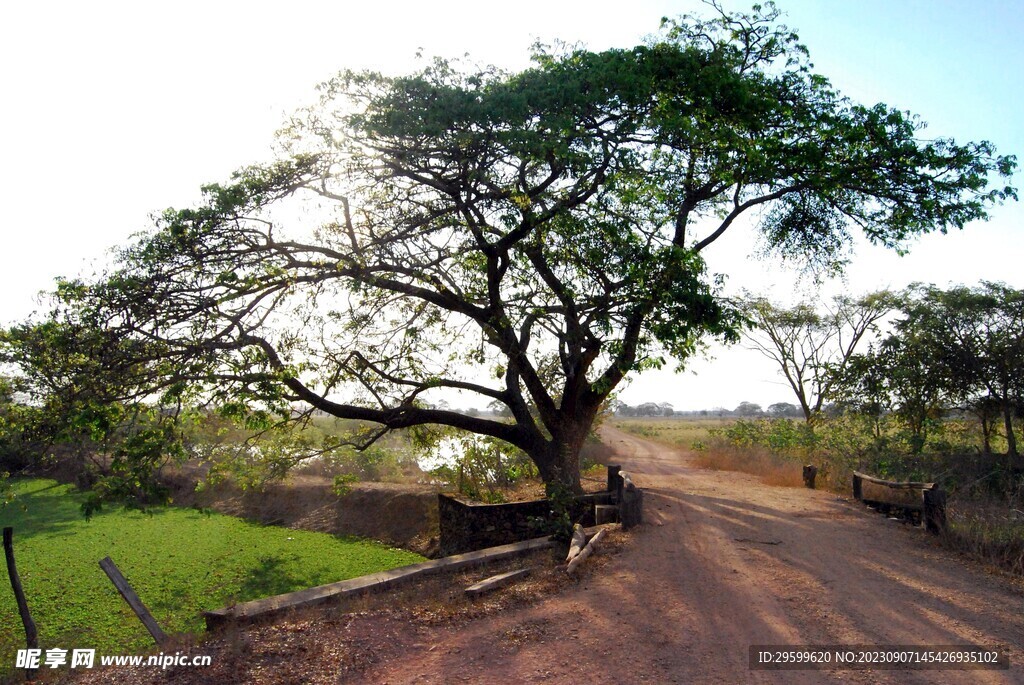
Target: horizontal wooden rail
{"x":899,"y":485}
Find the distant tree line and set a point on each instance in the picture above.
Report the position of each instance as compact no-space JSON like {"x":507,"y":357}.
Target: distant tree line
{"x":743,"y":409}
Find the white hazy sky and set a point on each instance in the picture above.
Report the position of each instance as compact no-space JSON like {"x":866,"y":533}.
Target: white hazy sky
{"x":110,"y":111}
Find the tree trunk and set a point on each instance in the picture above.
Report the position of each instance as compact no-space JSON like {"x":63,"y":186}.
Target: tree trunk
{"x":559,"y":465}
{"x":986,"y":435}
{"x":1011,"y":439}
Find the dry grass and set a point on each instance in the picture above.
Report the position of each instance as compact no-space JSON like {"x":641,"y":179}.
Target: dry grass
{"x":759,"y":462}
{"x":993,"y":534}
{"x":672,"y":430}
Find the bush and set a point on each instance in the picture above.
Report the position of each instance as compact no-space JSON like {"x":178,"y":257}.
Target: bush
{"x":481,"y":467}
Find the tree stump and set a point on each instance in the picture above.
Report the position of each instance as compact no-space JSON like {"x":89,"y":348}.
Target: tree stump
{"x":810,"y":473}
{"x":631,"y":510}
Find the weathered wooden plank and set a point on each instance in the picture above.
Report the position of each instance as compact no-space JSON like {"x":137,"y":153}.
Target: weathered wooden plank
{"x":494,"y":582}
{"x":119,"y":581}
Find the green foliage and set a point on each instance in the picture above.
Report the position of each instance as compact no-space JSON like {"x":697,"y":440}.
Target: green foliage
{"x":180,"y":562}
{"x":81,"y":391}
{"x":888,"y":447}
{"x":483,"y":468}
{"x":789,"y":439}
{"x":558,"y":524}
{"x":343,"y":483}
{"x":957,"y":348}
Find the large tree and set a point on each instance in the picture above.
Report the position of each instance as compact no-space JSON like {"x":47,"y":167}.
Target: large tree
{"x":528,"y":238}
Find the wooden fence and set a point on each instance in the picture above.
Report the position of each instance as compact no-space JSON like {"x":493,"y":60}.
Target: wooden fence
{"x":919,"y":502}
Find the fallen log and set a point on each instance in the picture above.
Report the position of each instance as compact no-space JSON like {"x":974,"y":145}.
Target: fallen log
{"x":579,"y":541}
{"x":587,"y":551}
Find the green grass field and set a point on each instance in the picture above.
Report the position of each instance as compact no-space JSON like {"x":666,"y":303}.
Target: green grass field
{"x":179,"y":561}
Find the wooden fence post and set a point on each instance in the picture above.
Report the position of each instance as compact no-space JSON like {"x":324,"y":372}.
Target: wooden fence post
{"x":631,"y":511}
{"x":31,"y":635}
{"x":119,"y":581}
{"x":613,"y":477}
{"x":935,"y":510}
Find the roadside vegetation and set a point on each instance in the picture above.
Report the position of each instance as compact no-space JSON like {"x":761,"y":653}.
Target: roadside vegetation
{"x":180,"y":562}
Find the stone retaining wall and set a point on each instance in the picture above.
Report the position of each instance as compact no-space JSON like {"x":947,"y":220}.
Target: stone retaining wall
{"x":465,"y":526}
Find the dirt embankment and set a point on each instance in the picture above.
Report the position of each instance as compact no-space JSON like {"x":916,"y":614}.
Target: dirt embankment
{"x":402,"y":515}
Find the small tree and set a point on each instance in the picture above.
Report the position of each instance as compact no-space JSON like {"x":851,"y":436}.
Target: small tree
{"x":812,"y":348}
{"x":747,"y":409}
{"x":783,"y":410}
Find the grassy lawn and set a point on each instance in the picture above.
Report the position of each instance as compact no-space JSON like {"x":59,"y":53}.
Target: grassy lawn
{"x":179,"y":561}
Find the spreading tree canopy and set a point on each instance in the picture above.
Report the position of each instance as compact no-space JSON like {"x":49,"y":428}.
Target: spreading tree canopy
{"x":527,"y":238}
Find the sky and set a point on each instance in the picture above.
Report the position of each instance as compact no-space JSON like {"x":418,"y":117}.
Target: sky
{"x":110,"y":111}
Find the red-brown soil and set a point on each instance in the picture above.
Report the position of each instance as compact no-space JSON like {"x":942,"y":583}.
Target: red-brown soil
{"x":723,"y":562}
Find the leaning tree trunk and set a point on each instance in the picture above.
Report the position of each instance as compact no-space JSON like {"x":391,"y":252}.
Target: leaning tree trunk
{"x":1007,"y":405}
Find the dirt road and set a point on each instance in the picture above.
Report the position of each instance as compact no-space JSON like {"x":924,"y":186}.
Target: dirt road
{"x":723,"y":563}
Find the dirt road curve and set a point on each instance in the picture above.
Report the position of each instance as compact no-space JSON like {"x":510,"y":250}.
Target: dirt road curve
{"x":723,"y":563}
